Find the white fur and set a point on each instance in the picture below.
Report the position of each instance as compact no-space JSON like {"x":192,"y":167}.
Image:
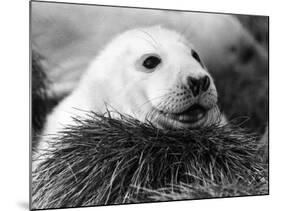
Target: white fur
{"x":116,"y":78}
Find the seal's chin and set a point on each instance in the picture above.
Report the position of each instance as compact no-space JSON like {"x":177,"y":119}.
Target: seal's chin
{"x":193,"y":117}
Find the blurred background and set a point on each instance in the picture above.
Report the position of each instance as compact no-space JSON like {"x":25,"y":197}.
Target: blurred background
{"x":65,"y":38}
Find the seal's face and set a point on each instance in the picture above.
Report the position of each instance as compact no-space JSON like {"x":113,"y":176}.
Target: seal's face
{"x":157,"y":76}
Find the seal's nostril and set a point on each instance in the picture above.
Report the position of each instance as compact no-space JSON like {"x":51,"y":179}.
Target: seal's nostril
{"x":193,"y":82}
{"x":194,"y":85}
{"x":205,"y":81}
{"x":197,"y":85}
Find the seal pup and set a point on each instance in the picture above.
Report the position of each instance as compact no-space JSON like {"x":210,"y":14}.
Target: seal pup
{"x":152,"y":74}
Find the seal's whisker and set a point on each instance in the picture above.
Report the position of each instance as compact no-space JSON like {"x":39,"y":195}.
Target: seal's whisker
{"x":155,"y":98}
{"x":213,"y":115}
{"x":169,"y":90}
{"x":157,"y":45}
{"x":151,"y":115}
{"x":149,"y":42}
{"x":219,"y":114}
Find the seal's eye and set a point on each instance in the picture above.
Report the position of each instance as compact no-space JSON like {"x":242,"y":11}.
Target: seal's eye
{"x":196,"y":56}
{"x":151,"y":62}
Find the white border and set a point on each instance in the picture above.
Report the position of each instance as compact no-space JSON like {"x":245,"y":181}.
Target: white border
{"x":14,"y":87}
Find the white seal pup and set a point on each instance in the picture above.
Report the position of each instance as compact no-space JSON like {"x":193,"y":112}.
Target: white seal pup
{"x":152,"y":74}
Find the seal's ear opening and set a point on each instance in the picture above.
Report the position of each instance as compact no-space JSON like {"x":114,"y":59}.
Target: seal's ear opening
{"x":195,"y":55}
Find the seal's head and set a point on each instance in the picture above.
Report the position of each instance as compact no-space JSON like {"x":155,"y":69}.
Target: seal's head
{"x":154,"y":74}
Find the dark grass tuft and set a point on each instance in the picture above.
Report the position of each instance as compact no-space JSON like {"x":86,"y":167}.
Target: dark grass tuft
{"x":39,"y":92}
{"x":42,"y":102}
{"x":108,"y":161}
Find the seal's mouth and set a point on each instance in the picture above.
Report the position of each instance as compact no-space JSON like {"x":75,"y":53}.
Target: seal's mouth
{"x":194,"y":116}
{"x":191,"y":115}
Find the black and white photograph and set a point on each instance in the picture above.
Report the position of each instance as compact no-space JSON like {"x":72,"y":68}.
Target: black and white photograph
{"x":135,"y":105}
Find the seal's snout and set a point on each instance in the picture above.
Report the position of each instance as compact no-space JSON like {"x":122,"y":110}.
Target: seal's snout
{"x":197,"y":85}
